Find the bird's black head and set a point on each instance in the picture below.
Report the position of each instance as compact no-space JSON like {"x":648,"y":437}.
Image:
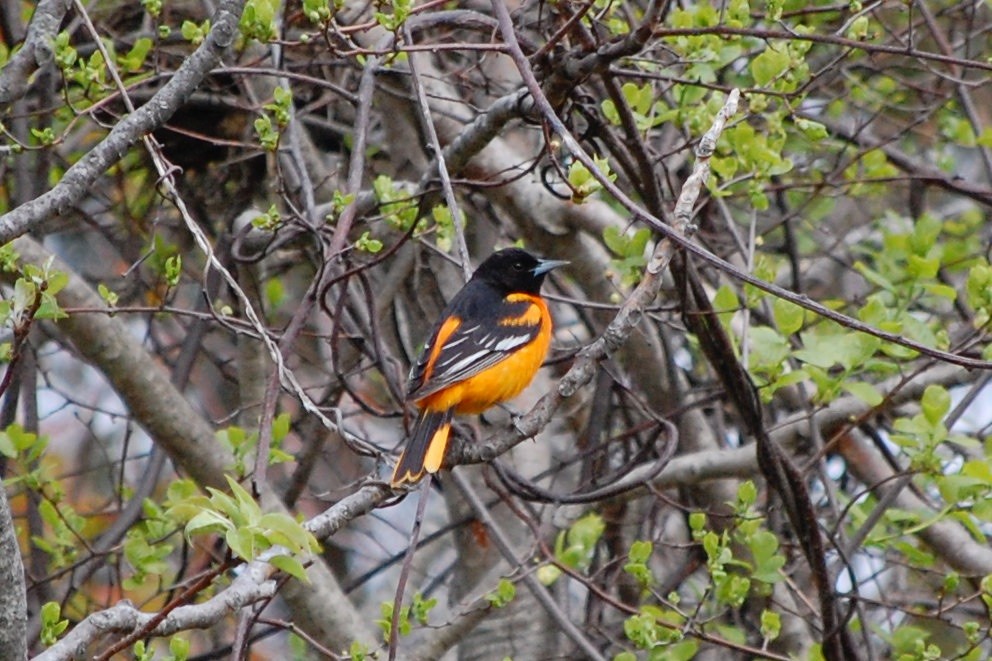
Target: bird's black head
{"x":515,"y":270}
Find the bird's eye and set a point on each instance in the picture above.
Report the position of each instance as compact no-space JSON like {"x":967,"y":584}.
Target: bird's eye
{"x":517,"y":266}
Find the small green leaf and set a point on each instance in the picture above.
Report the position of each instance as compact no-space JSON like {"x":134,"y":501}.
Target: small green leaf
{"x":243,"y":542}
{"x":206,"y":521}
{"x":291,"y":533}
{"x":179,"y":648}
{"x":280,"y":427}
{"x":547,"y":574}
{"x":936,"y":402}
{"x":771,"y":624}
{"x":52,"y":625}
{"x":788,"y":316}
{"x":503,"y":594}
{"x":640,"y":551}
{"x":864,"y":391}
{"x":771,"y":63}
{"x":291,"y":566}
{"x":366,"y":243}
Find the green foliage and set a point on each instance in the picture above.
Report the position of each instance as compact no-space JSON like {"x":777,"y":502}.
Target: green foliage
{"x":268,"y":136}
{"x":637,"y":563}
{"x":52,"y":623}
{"x":582,"y":181}
{"x":135,"y":58}
{"x":268,"y":221}
{"x":660,"y":631}
{"x":15,"y":442}
{"x":575,"y":547}
{"x":275,"y":118}
{"x":979,"y":291}
{"x":629,"y":251}
{"x":45,"y":136}
{"x":193,"y":33}
{"x":420,"y":609}
{"x":109,"y":296}
{"x":742,"y":560}
{"x":444,"y":224}
{"x":358,"y":652}
{"x":258,"y":20}
{"x":242,"y":443}
{"x":397,"y":207}
{"x":317,"y":11}
{"x":65,"y":54}
{"x":153,"y":7}
{"x":366,"y":243}
{"x":338,"y":203}
{"x":771,"y":625}
{"x":173,"y":270}
{"x":64,"y":527}
{"x":909,"y":643}
{"x":178,"y":649}
{"x":246,"y":529}
{"x":647,"y":110}
{"x":399,"y":11}
{"x":921,"y":434}
{"x":146,"y":546}
{"x":143,"y":652}
{"x":503,"y":594}
{"x":281,"y":106}
{"x":33,"y":297}
{"x":771,"y":63}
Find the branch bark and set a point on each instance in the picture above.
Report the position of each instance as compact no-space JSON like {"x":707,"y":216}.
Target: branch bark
{"x":79,"y":178}
{"x":189,"y":440}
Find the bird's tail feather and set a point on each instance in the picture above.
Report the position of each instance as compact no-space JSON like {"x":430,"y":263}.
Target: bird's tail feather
{"x":426,"y":448}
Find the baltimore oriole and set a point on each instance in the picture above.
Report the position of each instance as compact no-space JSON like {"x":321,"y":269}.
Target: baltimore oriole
{"x":486,"y":348}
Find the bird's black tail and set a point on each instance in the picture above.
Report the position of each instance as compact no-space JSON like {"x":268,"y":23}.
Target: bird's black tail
{"x":426,"y":448}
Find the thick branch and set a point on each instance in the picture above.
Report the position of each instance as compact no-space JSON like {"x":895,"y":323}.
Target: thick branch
{"x":78,"y":179}
{"x":183,"y":433}
{"x":35,"y":53}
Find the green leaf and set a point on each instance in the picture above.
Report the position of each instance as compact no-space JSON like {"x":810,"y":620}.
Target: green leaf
{"x":52,"y":625}
{"x":864,"y":391}
{"x":726,"y":304}
{"x":858,"y":29}
{"x":247,"y":506}
{"x":503,"y":594}
{"x":788,"y":316}
{"x":206,"y":521}
{"x":547,"y":574}
{"x":179,"y":648}
{"x":769,"y":350}
{"x":421,"y":608}
{"x":135,"y":57}
{"x":291,"y":533}
{"x":291,"y":566}
{"x":771,"y":624}
{"x":767,"y":560}
{"x":936,"y":402}
{"x":683,"y":650}
{"x":280,"y":427}
{"x":366,"y":243}
{"x":768,"y":65}
{"x":587,"y":530}
{"x":640,"y":551}
{"x":243,"y":542}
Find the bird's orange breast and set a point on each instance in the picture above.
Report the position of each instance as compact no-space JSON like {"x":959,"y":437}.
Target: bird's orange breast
{"x":507,"y":378}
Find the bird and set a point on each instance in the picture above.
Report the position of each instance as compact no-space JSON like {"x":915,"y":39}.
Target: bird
{"x":485,"y":348}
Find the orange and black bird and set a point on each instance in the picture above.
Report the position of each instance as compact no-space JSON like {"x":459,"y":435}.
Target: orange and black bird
{"x":487,"y":346}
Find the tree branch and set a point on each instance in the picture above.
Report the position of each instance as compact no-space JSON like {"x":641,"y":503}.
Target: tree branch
{"x":79,"y":178}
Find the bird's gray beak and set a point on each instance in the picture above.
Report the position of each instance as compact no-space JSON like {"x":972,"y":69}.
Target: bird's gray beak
{"x":545,"y":265}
